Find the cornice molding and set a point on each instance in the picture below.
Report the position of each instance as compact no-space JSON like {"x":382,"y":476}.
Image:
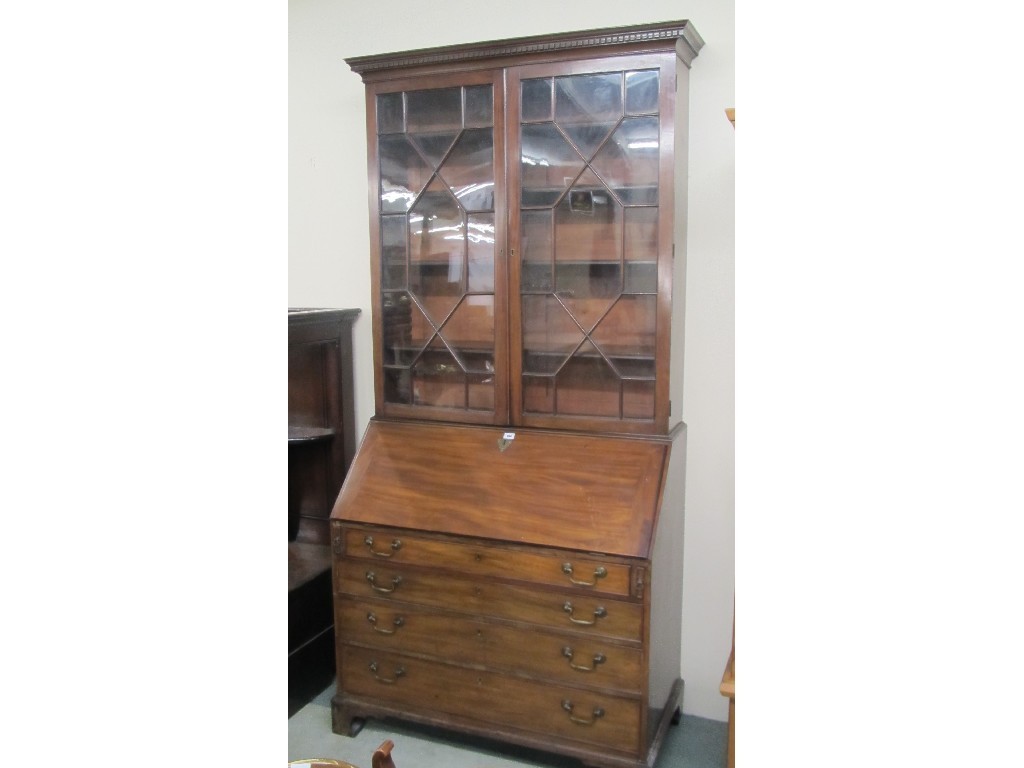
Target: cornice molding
{"x":688,"y":44}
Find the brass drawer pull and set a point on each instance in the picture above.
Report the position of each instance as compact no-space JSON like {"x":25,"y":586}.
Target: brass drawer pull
{"x":398,"y":673}
{"x":599,"y":573}
{"x":598,"y":659}
{"x":372,"y":618}
{"x":599,"y":613}
{"x":371,"y":577}
{"x":568,"y":706}
{"x":395,"y":546}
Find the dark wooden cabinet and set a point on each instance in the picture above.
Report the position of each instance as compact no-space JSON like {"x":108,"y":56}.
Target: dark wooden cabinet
{"x":508,"y":544}
{"x":321,"y":444}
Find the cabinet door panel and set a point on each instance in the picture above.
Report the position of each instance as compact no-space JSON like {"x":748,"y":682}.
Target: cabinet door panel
{"x":441,"y":338}
{"x":593,"y":154}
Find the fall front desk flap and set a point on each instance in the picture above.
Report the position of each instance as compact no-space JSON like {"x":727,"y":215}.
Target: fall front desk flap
{"x":593,"y":493}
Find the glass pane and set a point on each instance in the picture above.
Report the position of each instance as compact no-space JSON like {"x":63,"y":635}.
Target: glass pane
{"x":480,"y":238}
{"x":588,"y":136}
{"x":390,"y":118}
{"x":641,"y":243}
{"x":638,"y":399}
{"x":480,"y":393}
{"x":627,"y":335}
{"x":402,"y":174}
{"x":549,"y":164}
{"x":588,"y":223}
{"x":435,"y":227}
{"x":434,"y":146}
{"x":587,"y":386}
{"x":588,"y":98}
{"x":398,"y":385}
{"x":479,"y":106}
{"x":538,"y":394}
{"x":642,"y":92}
{"x":438,"y":379}
{"x":629,"y":162}
{"x":405,"y":330}
{"x":536,"y":101}
{"x":470,"y":334}
{"x":434,"y":110}
{"x":549,"y":334}
{"x":469,"y":170}
{"x":393,"y":252}
{"x":437,"y":250}
{"x":536,"y":245}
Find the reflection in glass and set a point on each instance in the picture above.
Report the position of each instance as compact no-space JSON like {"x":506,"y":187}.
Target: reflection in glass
{"x":438,"y":379}
{"x":469,"y":170}
{"x":536,"y":244}
{"x":434,"y":146}
{"x":629,"y":161}
{"x":390,"y":113}
{"x":588,"y":136}
{"x":393,"y":252}
{"x":469,"y":333}
{"x":480,"y":247}
{"x":549,"y":334}
{"x":479,"y":106}
{"x":437,"y":230}
{"x":536,"y":100}
{"x":589,"y":239}
{"x":641,"y":242}
{"x":402,"y":323}
{"x":588,"y":98}
{"x":549,"y":164}
{"x":402,"y":174}
{"x":642,"y":92}
{"x":435,"y":110}
{"x":627,"y":335}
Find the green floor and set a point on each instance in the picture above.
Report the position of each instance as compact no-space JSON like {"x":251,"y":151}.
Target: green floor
{"x":695,"y":743}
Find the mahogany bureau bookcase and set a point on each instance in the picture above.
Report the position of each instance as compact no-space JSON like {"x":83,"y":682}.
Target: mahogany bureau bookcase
{"x":507,"y":546}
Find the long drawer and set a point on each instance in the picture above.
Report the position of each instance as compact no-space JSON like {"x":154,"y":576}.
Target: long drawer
{"x":592,"y":614}
{"x":543,"y":708}
{"x":546,"y":655}
{"x":558,"y":569}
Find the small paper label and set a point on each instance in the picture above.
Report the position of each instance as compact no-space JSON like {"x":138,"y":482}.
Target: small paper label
{"x":509,"y":436}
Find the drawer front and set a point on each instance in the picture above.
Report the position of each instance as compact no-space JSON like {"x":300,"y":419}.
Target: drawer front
{"x":589,"y":614}
{"x":558,"y":569}
{"x":415,"y":685}
{"x":464,"y":640}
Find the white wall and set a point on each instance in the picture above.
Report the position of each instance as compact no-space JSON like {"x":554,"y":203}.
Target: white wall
{"x":329,"y":241}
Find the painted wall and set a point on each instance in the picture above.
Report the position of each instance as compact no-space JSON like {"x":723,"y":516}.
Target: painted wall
{"x":329,"y":241}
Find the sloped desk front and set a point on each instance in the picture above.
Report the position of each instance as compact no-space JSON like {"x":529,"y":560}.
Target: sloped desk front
{"x":524,"y":586}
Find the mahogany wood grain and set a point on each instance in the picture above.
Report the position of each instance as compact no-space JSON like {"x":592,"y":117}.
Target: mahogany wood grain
{"x":508,"y":647}
{"x":590,"y":493}
{"x":477,"y":597}
{"x":486,"y":697}
{"x":541,"y":566}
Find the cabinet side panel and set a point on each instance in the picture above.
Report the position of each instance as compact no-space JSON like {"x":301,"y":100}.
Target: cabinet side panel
{"x":682,"y":138}
{"x":667,"y":582}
